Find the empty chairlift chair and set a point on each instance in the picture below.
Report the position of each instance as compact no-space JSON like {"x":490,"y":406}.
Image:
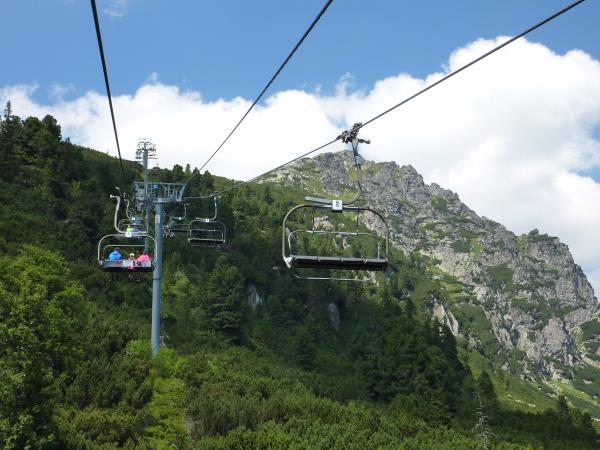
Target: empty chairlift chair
{"x":176,"y":225}
{"x":334,"y":243}
{"x":207,"y":231}
{"x":336,"y":246}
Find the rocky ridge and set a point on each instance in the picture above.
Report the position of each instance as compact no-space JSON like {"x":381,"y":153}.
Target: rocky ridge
{"x":523,"y":294}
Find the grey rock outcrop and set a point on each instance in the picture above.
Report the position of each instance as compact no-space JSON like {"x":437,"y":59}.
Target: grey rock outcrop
{"x":334,"y":315}
{"x":253,"y":296}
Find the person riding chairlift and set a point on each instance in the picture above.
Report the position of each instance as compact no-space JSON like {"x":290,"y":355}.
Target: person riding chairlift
{"x":115,"y":255}
{"x":143,"y":258}
{"x":133,"y":262}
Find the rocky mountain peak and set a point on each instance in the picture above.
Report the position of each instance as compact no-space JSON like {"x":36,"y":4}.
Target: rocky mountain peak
{"x":524,"y":294}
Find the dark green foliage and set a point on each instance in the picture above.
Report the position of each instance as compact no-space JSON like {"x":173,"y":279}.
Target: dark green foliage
{"x":460,"y":246}
{"x":487,"y":394}
{"x":535,"y":236}
{"x":500,"y":276}
{"x":587,"y":379}
{"x":38,"y":343}
{"x":224,"y":301}
{"x":590,"y":329}
{"x":181,"y":310}
{"x":239,"y":399}
{"x":440,"y":203}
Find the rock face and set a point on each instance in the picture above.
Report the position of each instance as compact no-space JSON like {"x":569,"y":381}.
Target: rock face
{"x":254,"y":297}
{"x":534,"y":301}
{"x":334,"y":316}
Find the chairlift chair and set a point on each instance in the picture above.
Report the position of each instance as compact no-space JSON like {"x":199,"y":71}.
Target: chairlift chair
{"x":203,"y":231}
{"x":133,"y":226}
{"x":297,"y":259}
{"x":135,"y":244}
{"x":176,"y":224}
{"x":207,"y":230}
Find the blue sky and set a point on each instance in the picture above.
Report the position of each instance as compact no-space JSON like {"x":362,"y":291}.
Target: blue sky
{"x":225,"y":49}
{"x":517,"y":136}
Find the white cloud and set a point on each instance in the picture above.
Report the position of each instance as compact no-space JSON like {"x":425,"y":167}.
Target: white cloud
{"x":117,"y":8}
{"x":510,"y":135}
{"x":59,"y":91}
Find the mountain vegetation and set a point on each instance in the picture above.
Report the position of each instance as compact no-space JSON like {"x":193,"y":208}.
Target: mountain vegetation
{"x":307,"y":364}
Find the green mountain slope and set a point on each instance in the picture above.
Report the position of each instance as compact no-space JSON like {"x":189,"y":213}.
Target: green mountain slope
{"x":305,"y":365}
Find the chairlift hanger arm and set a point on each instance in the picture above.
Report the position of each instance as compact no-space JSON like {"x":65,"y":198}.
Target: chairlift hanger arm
{"x":127,"y":212}
{"x":350,"y":136}
{"x":116,"y":219}
{"x":215,"y":201}
{"x":181,"y":217}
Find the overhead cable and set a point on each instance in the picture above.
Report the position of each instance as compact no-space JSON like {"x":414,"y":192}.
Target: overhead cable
{"x":289,"y":56}
{"x":105,"y":71}
{"x":450,"y":75}
{"x":476,"y":60}
{"x":304,"y":155}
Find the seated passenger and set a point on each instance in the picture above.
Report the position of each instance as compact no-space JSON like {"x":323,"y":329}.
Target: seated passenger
{"x":143,"y":259}
{"x":133,"y":262}
{"x":115,"y":255}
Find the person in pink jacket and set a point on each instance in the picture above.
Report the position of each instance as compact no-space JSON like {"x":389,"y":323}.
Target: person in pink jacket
{"x":143,"y":260}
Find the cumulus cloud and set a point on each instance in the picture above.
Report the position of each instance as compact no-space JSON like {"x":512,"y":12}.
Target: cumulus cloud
{"x":512,"y":135}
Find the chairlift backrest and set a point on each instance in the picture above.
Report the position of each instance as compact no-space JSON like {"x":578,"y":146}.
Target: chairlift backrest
{"x":207,"y":230}
{"x":204,"y":231}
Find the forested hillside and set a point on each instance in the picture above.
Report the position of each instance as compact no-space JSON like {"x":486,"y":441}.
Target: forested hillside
{"x":306,"y":364}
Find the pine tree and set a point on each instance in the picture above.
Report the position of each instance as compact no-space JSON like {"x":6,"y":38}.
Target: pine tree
{"x":10,"y":127}
{"x":562,"y":408}
{"x":487,"y":393}
{"x":225,"y":299}
{"x":410,"y":309}
{"x":482,"y":428}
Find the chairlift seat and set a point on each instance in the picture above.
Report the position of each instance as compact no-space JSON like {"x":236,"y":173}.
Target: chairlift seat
{"x":126,"y":265}
{"x":196,"y":240}
{"x":338,"y":262}
{"x":179,"y":228}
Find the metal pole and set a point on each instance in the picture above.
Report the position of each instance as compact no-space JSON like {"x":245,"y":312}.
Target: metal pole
{"x":156,"y":278}
{"x":148,"y":205}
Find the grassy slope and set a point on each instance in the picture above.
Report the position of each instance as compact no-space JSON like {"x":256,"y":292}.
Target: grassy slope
{"x":516,"y":393}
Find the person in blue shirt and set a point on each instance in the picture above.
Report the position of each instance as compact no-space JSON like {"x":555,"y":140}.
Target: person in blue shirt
{"x":115,"y":255}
